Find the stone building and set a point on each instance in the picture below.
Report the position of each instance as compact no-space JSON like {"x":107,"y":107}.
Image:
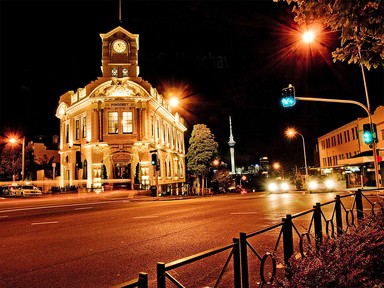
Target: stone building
{"x":110,"y":127}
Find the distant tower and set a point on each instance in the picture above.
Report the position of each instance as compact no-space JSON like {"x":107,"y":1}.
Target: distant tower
{"x":231,"y":144}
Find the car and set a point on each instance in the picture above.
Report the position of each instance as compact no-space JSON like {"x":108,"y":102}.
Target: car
{"x":278,"y":185}
{"x":10,"y":190}
{"x":28,"y":190}
{"x":322,"y":184}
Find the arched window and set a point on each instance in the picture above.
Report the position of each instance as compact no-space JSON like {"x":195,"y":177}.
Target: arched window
{"x":169,"y":169}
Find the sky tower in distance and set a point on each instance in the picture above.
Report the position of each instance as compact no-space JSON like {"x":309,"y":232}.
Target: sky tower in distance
{"x":231,"y":144}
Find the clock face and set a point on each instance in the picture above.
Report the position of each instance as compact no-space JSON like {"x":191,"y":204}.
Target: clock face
{"x":119,"y":46}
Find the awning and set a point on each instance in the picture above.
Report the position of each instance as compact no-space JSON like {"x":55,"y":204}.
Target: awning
{"x":358,"y":159}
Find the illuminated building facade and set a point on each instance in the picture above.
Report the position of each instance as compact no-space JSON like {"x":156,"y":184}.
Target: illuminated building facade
{"x":109,"y":128}
{"x":344,"y":148}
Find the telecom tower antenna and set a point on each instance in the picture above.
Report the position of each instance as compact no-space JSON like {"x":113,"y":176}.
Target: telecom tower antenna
{"x":231,"y":144}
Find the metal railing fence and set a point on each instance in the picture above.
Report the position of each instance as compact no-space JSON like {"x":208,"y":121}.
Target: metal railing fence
{"x":291,"y":233}
{"x":163,"y":268}
{"x":340,"y":216}
{"x":139,"y":282}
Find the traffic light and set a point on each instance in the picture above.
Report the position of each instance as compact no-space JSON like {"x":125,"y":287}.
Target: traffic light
{"x":288,"y":95}
{"x":154,"y":159}
{"x":368,"y":135}
{"x":374,"y":133}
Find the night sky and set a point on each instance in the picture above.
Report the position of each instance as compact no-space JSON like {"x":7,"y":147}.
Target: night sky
{"x":230,"y":58}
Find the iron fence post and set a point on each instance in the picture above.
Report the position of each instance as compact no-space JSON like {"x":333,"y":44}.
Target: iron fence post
{"x":236,"y":263}
{"x":244,"y":260}
{"x":318,"y":226}
{"x":161,"y":275}
{"x":287,"y":238}
{"x":359,"y":205}
{"x":143,"y":280}
{"x":339,"y":220}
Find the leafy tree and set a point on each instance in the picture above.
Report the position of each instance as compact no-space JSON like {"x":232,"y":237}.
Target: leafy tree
{"x":10,"y":161}
{"x":202,"y":151}
{"x":360,"y":23}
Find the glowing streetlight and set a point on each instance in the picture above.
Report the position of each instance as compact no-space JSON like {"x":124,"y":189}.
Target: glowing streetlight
{"x":276,"y":166}
{"x":308,"y":36}
{"x":173,"y":102}
{"x":14,"y":141}
{"x":291,"y":133}
{"x":243,"y":178}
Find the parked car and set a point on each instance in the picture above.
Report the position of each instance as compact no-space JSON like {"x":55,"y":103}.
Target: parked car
{"x":28,"y":190}
{"x":10,"y":190}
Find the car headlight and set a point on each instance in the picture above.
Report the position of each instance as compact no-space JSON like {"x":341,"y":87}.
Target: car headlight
{"x":329,"y":184}
{"x":284,"y":186}
{"x":272,"y":186}
{"x":313,"y":185}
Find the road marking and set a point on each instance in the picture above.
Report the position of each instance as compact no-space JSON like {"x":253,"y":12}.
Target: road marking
{"x":4,"y":216}
{"x":145,"y":217}
{"x":44,"y":223}
{"x":84,"y":208}
{"x":242,"y":213}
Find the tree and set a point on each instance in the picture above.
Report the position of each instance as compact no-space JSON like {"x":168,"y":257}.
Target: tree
{"x":202,"y":151}
{"x":10,"y":162}
{"x":360,"y":23}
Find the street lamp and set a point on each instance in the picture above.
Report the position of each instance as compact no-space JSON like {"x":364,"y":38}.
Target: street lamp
{"x":309,"y":37}
{"x":173,"y":102}
{"x":290,"y":133}
{"x":13,"y":141}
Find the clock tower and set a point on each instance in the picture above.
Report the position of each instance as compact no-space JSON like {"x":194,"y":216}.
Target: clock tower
{"x":120,"y":53}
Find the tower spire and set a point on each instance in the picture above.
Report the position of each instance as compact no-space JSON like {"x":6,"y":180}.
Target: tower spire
{"x":120,"y":11}
{"x":231,"y":144}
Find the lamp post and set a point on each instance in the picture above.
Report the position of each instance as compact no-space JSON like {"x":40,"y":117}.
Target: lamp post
{"x":309,"y":37}
{"x":290,"y":134}
{"x":13,"y":141}
{"x":173,"y":102}
{"x":374,"y":147}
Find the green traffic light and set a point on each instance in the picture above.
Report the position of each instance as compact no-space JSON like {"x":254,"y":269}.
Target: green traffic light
{"x":288,"y":95}
{"x":368,"y":138}
{"x":367,"y":134}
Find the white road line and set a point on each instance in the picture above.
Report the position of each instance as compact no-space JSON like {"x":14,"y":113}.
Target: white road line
{"x":84,"y":208}
{"x":145,"y":217}
{"x":44,"y":223}
{"x":243,"y":213}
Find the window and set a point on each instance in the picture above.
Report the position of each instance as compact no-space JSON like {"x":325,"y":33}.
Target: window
{"x":85,"y":169}
{"x":113,"y":123}
{"x":127,"y":122}
{"x":114,"y":72}
{"x":77,"y":133}
{"x":169,"y":169}
{"x":67,"y":133}
{"x":125,"y":72}
{"x":158,"y":129}
{"x":353,"y":134}
{"x":84,"y":127}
